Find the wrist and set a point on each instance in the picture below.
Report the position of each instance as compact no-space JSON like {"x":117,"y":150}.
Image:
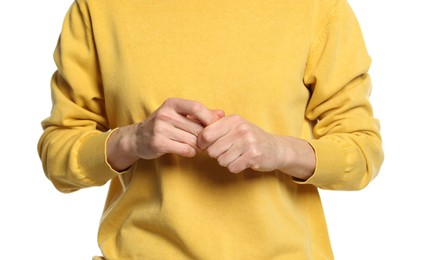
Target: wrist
{"x":119,"y":151}
{"x":297,"y":158}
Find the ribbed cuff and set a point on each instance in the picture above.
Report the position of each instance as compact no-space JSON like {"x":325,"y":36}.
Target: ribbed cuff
{"x":330,"y":160}
{"x":92,"y":158}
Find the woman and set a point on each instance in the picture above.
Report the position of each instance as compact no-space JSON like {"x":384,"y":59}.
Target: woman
{"x":215,"y":121}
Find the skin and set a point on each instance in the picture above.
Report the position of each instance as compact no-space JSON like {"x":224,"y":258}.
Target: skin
{"x":182,"y":127}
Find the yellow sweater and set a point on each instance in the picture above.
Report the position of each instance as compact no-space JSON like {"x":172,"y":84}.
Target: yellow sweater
{"x":292,"y":67}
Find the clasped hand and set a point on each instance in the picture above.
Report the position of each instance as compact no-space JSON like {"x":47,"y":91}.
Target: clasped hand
{"x":183,"y":127}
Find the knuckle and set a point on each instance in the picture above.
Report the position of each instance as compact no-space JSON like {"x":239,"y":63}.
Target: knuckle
{"x":196,"y":108}
{"x":236,"y":117}
{"x":168,"y":101}
{"x":254,"y":153}
{"x":254,"y":159}
{"x":187,"y":151}
{"x":163,"y":116}
{"x":206,"y":136}
{"x":192,"y":141}
{"x":250,"y":140}
{"x":255,"y":167}
{"x":244,"y":129}
{"x":221,"y":161}
{"x":212,"y":153}
{"x":234,"y":168}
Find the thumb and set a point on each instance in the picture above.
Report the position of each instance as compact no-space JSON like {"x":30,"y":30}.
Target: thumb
{"x":219,"y":113}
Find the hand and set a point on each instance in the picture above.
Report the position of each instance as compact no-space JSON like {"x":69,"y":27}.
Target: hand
{"x":173,"y":128}
{"x":238,"y":144}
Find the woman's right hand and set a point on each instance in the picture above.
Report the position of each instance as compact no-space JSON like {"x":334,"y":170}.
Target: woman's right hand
{"x":173,"y":128}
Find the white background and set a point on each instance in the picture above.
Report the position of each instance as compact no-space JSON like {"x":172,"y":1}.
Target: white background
{"x":383,"y":221}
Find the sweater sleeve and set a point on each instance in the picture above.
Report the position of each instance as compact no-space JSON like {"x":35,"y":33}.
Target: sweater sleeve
{"x":347,"y":139}
{"x":72,"y":146}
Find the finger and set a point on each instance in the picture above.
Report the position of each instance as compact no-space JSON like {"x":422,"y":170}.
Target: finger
{"x":219,"y":113}
{"x":195,"y":110}
{"x":238,"y":165}
{"x":188,"y":125}
{"x":182,"y":136}
{"x":218,"y":148}
{"x":213,"y":133}
{"x":178,"y":148}
{"x":229,"y":156}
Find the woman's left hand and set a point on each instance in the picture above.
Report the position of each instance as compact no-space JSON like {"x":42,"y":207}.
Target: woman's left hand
{"x":238,"y":145}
